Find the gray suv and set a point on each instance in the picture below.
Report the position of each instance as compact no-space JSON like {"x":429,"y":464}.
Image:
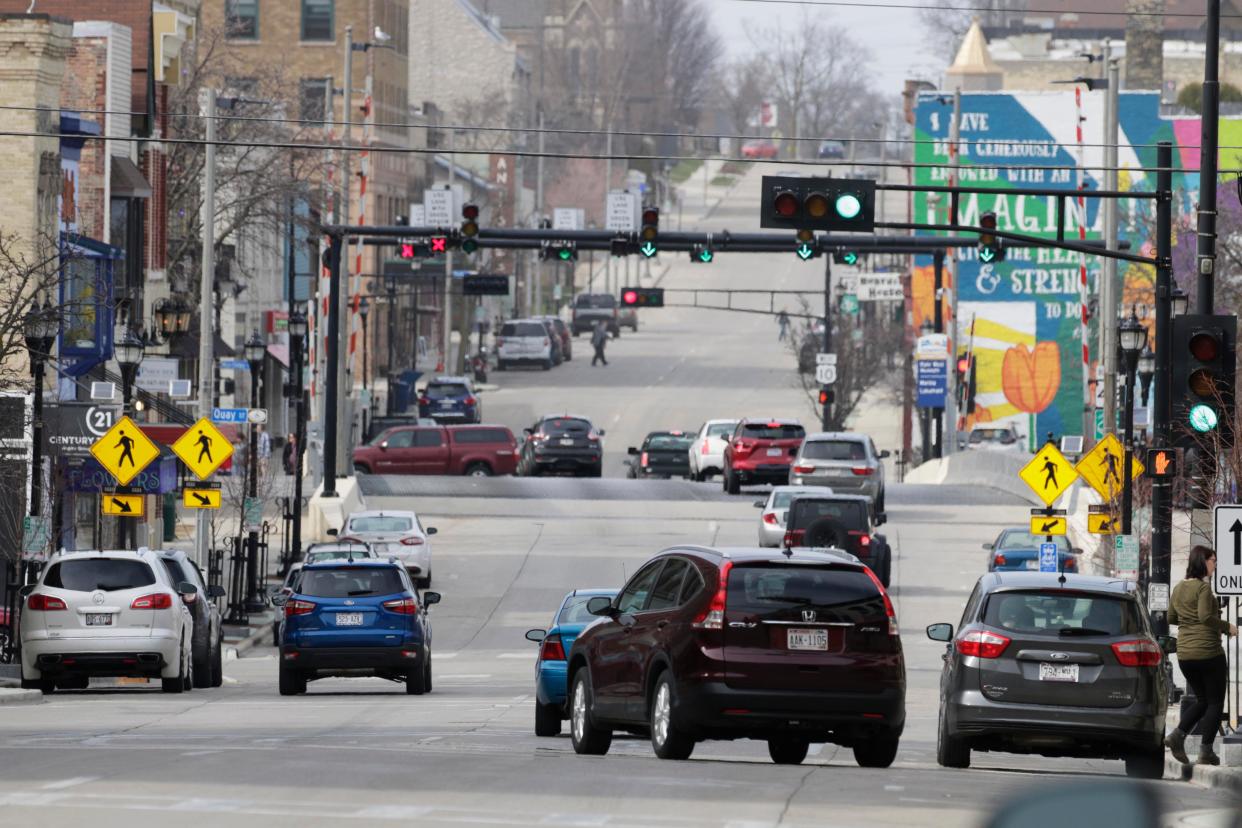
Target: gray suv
{"x":1056,"y":665}
{"x":844,"y":461}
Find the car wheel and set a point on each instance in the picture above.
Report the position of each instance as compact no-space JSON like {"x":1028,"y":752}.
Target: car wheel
{"x":425,"y":583}
{"x":667,"y":739}
{"x":951,"y":752}
{"x":732,"y":485}
{"x":46,"y":686}
{"x":217,"y":665}
{"x":596,"y":471}
{"x":416,"y":682}
{"x":427,"y":670}
{"x":878,"y":752}
{"x":885,"y":572}
{"x":788,"y":750}
{"x":1146,"y":765}
{"x":501,"y":366}
{"x":190,"y":680}
{"x":360,"y":468}
{"x":547,"y":365}
{"x":478,"y":470}
{"x":587,"y":736}
{"x":879,"y":502}
{"x":292,"y":683}
{"x":177,"y":683}
{"x":547,"y":719}
{"x":202,"y":670}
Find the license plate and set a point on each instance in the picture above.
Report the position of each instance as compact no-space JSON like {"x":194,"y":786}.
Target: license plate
{"x":807,"y":639}
{"x":349,"y":619}
{"x":379,"y":548}
{"x":446,"y":403}
{"x":775,"y":452}
{"x":1058,"y":672}
{"x":567,"y":441}
{"x":99,"y":619}
{"x":1032,"y":564}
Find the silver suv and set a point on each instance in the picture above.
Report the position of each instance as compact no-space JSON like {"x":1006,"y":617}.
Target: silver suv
{"x":111,"y":613}
{"x":845,"y":461}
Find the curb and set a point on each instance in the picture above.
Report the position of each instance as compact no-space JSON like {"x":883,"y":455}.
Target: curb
{"x":1209,"y":776}
{"x":260,"y":634}
{"x":15,"y":696}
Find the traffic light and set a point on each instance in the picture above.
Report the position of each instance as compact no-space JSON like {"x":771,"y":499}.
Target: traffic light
{"x":825,"y":395}
{"x":845,"y":204}
{"x":649,"y":234}
{"x":805,"y":245}
{"x":991,"y":250}
{"x":439,"y":245}
{"x":469,"y":228}
{"x":559,"y":251}
{"x":1203,"y":369}
{"x":415,"y":249}
{"x":845,"y":257}
{"x":702,"y":254}
{"x":640,"y":297}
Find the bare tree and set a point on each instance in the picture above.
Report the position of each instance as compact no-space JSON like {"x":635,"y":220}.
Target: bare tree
{"x":27,"y":273}
{"x":743,"y":86}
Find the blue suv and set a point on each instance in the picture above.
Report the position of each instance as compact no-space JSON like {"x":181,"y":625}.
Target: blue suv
{"x":450,"y":400}
{"x":355,"y":617}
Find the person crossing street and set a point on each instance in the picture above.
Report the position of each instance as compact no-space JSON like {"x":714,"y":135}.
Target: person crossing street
{"x":599,"y":338}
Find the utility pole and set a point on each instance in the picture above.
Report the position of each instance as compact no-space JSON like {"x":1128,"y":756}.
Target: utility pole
{"x":1208,"y":150}
{"x":1109,"y":294}
{"x":938,"y":327}
{"x":206,"y":332}
{"x":950,"y":410}
{"x":347,"y":183}
{"x":607,"y":190}
{"x":1161,"y":489}
{"x":448,"y":260}
{"x":539,"y":210}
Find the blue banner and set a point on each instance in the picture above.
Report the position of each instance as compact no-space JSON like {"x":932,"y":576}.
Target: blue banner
{"x":931,"y":378}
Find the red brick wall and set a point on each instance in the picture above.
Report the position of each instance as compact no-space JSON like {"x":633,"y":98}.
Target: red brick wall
{"x":84,"y":89}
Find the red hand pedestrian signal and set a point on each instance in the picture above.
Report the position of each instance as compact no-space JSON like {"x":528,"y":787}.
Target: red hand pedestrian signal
{"x":1162,"y":463}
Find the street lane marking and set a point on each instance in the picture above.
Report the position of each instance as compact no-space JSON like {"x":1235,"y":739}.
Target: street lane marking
{"x":516,"y":655}
{"x":69,"y":783}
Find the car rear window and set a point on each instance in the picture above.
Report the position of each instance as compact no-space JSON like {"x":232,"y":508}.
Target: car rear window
{"x":575,"y":610}
{"x":994,"y":435}
{"x":834,"y":450}
{"x":596,"y":300}
{"x":669,"y":442}
{"x":773,"y":431}
{"x":321,"y":555}
{"x":483,"y":435}
{"x":805,"y":511}
{"x":382,"y":523}
{"x":446,"y":390}
{"x":521,"y":329}
{"x":107,"y":574}
{"x":1021,"y":539}
{"x":566,"y":427}
{"x":836,"y":594}
{"x":720,"y":429}
{"x":348,"y":582}
{"x":176,"y":572}
{"x":1061,"y":612}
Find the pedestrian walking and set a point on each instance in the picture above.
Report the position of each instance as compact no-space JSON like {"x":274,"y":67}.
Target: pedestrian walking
{"x":288,"y":455}
{"x":599,"y":338}
{"x":783,"y":321}
{"x":264,"y":455}
{"x":1194,"y":608}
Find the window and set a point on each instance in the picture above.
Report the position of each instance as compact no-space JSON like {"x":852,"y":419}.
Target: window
{"x":483,"y":435}
{"x":428,"y":438}
{"x":719,"y":429}
{"x":575,"y":610}
{"x":346,"y":582}
{"x":397,"y":439}
{"x":772,"y":431}
{"x":692,"y":585}
{"x":834,"y":450}
{"x":446,"y":390}
{"x":1061,"y":613}
{"x":1022,"y":539}
{"x":668,"y":442}
{"x":566,"y":428}
{"x":380,"y":523}
{"x":805,"y":511}
{"x":175,"y":571}
{"x":635,"y":596}
{"x":840,"y":595}
{"x":523,"y":330}
{"x":241,"y":19}
{"x":665,"y":593}
{"x":317,"y":19}
{"x":314,"y":93}
{"x":107,"y":574}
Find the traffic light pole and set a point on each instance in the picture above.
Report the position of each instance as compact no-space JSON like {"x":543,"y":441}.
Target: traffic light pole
{"x":826,"y":414}
{"x":332,"y":391}
{"x":1161,"y":492}
{"x":1208,"y":149}
{"x":938,"y":327}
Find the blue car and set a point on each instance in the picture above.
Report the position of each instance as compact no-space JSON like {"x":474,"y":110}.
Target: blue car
{"x":550,"y":690}
{"x":355,"y":617}
{"x":450,"y":400}
{"x":1017,"y":550}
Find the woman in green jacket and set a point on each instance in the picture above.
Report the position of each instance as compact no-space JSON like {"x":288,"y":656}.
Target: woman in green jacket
{"x":1195,"y":610}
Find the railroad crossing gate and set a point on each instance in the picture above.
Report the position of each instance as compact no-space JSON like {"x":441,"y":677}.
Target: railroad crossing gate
{"x":124,"y":450}
{"x":1048,"y":474}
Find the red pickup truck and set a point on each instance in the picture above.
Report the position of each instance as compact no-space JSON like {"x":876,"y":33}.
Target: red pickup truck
{"x":476,"y":450}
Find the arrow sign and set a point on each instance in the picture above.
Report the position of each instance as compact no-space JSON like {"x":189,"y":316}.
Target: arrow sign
{"x":705,"y":256}
{"x":1227,"y":522}
{"x":805,"y":251}
{"x":121,"y":505}
{"x":201,"y":498}
{"x":986,"y":255}
{"x":1236,"y":531}
{"x":648,"y":249}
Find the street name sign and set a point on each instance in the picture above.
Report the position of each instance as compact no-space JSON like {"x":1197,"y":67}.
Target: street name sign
{"x":826,"y":374}
{"x":1227,"y":541}
{"x":123,"y":505}
{"x":198,"y":497}
{"x":124,"y":450}
{"x":202,"y":448}
{"x":1049,"y":560}
{"x":875,"y":287}
{"x":1101,"y":467}
{"x":1048,"y":525}
{"x":1048,"y":474}
{"x":229,"y":415}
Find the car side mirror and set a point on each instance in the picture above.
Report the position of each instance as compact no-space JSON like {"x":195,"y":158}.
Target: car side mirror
{"x":431,"y":530}
{"x":759,"y":504}
{"x":631,"y":451}
{"x":1168,"y":643}
{"x":600,"y":605}
{"x":280,"y":599}
{"x":940,"y":632}
{"x":26,"y":590}
{"x":536,"y":636}
{"x":185,"y":588}
{"x":1074,"y":550}
{"x":881,"y":518}
{"x":332,"y":532}
{"x":601,"y":432}
{"x":384,"y":446}
{"x":987,"y":546}
{"x":216,"y":591}
{"x":885,"y":454}
{"x":430,"y":598}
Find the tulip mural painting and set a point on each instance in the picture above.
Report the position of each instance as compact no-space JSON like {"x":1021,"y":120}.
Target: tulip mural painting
{"x":1025,"y":311}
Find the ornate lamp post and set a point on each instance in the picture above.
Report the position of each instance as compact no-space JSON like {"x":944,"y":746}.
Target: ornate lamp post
{"x":297,"y":339}
{"x":1131,"y":337}
{"x":40,"y":327}
{"x":128,"y":349}
{"x":256,"y":351}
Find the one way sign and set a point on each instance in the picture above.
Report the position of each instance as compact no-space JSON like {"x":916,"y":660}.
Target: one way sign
{"x":1227,"y":541}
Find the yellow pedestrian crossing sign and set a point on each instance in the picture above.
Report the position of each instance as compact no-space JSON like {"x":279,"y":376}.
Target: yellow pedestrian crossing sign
{"x":1102,"y":523}
{"x":123,"y":505}
{"x":1048,"y":525}
{"x":200,"y":498}
{"x":1101,"y":467}
{"x":124,"y":450}
{"x":203,"y":448}
{"x":1048,"y":474}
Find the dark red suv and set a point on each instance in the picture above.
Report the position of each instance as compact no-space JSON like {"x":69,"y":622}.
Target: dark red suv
{"x":760,"y":451}
{"x":791,"y":647}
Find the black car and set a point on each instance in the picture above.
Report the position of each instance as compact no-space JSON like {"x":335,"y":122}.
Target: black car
{"x":562,"y":443}
{"x":842,"y":522}
{"x":663,"y":454}
{"x":208,"y":638}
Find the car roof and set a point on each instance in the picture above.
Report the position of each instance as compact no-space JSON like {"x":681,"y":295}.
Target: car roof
{"x":447,"y":378}
{"x":77,"y":554}
{"x":835,"y":496}
{"x":809,"y":490}
{"x":564,"y":417}
{"x":717,"y":422}
{"x":779,"y":420}
{"x":669,"y":432}
{"x":382,"y":513}
{"x":1002,"y":581}
{"x":854,"y":436}
{"x":373,"y":562}
{"x":756,"y":554}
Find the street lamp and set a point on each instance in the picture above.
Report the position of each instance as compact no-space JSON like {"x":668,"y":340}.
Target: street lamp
{"x":40,"y":327}
{"x":1131,"y":337}
{"x":172,"y":317}
{"x":1146,"y":371}
{"x":128,"y":349}
{"x":256,"y":351}
{"x":1179,"y":301}
{"x":297,"y":337}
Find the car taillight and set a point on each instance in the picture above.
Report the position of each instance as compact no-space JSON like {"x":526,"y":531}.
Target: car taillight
{"x":864,"y":540}
{"x":424,"y":401}
{"x":642,"y":460}
{"x":299,"y":608}
{"x":1069,"y":564}
{"x":791,"y":538}
{"x":411,"y":541}
{"x":742,"y":447}
{"x":769,"y":518}
{"x":712,"y":618}
{"x":862,"y":471}
{"x":1140,"y":652}
{"x":154,"y":601}
{"x":538,"y":437}
{"x":403,"y":606}
{"x":44,"y":603}
{"x":593,"y":436}
{"x":469,"y":401}
{"x":552,"y":649}
{"x":982,"y":644}
{"x":703,"y":448}
{"x":803,"y":469}
{"x":1000,"y":560}
{"x":889,"y":610}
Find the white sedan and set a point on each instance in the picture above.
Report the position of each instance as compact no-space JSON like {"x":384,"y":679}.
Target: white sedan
{"x":776,"y":511}
{"x":707,"y":451}
{"x":398,"y":535}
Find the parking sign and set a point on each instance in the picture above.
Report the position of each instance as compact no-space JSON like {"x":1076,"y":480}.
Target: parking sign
{"x":1048,"y":557}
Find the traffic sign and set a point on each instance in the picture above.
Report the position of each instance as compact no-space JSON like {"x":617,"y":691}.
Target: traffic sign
{"x":1049,"y":559}
{"x":1048,"y":474}
{"x":825,"y":359}
{"x":1227,"y":541}
{"x":200,"y":498}
{"x":849,"y":304}
{"x":621,"y":211}
{"x":203,"y":448}
{"x":229,"y":415}
{"x":123,"y":505}
{"x":1101,"y":467}
{"x":1103,"y":523}
{"x":826,"y":374}
{"x":256,"y":416}
{"x":124,"y":450}
{"x":1048,"y":525}
{"x":1126,"y":557}
{"x":931,"y":378}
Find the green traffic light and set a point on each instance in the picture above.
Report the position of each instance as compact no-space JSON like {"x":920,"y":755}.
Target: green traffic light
{"x":469,"y":245}
{"x":987,"y":255}
{"x":850,"y":258}
{"x":848,"y":206}
{"x":805,"y":251}
{"x":648,"y":249}
{"x":565,"y":254}
{"x":706,"y":255}
{"x":1203,"y":418}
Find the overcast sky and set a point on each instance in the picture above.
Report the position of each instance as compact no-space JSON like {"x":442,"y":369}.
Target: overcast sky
{"x":899,"y":47}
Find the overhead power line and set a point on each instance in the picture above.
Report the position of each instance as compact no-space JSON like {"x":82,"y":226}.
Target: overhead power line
{"x":861,"y":4}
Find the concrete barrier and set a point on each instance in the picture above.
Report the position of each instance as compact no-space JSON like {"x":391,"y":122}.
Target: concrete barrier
{"x":324,"y":513}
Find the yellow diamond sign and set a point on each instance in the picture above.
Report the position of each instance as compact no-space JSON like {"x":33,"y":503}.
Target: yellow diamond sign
{"x":1101,"y":467}
{"x":124,"y":450}
{"x":203,"y":448}
{"x":1048,"y":474}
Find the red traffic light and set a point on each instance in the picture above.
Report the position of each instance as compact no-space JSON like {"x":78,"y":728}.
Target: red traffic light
{"x":786,"y":204}
{"x":651,"y":215}
{"x":1205,"y":347}
{"x":823,"y":396}
{"x":470,"y":211}
{"x":963,"y":365}
{"x":439,"y":244}
{"x":630,"y":297}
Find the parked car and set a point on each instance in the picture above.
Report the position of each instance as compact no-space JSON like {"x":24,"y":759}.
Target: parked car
{"x":359,"y":618}
{"x":843,"y":460}
{"x":1055,"y":665}
{"x":663,"y":454}
{"x":831,"y":149}
{"x":451,"y":400}
{"x":840,"y":521}
{"x":759,"y":148}
{"x":565,"y":338}
{"x":707,"y":454}
{"x":627,"y":317}
{"x":562,"y":442}
{"x":760,"y":451}
{"x":1017,"y":550}
{"x":394,"y":534}
{"x":995,"y":437}
{"x":591,"y":308}
{"x":474,"y":450}
{"x":705,"y":643}
{"x":106,"y":613}
{"x":207,"y":642}
{"x":550,"y":665}
{"x":523,"y":342}
{"x":775,"y":512}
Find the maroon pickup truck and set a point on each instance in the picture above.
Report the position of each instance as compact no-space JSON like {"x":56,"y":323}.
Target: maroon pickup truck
{"x":476,"y":450}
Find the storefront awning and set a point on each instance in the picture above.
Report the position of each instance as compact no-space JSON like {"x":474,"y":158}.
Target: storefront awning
{"x":127,"y":180}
